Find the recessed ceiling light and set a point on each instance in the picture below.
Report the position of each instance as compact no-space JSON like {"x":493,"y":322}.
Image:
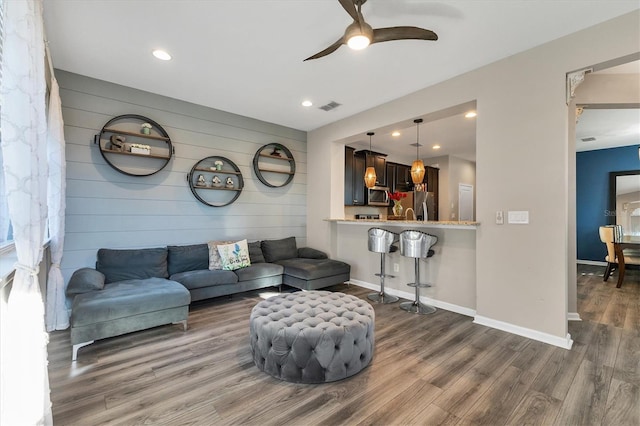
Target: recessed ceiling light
{"x":307,"y":103}
{"x":470,"y":114}
{"x":436,"y":147}
{"x":162,"y":55}
{"x":395,"y":134}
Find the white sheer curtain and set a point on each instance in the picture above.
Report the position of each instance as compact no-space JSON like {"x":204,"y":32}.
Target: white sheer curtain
{"x":57,"y":316}
{"x":25,"y":382}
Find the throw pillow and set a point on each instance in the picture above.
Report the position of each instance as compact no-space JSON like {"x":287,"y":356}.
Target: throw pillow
{"x":85,"y":280}
{"x":234,"y":256}
{"x":255,"y":252}
{"x":214,"y":257}
{"x":275,"y":250}
{"x":311,"y":253}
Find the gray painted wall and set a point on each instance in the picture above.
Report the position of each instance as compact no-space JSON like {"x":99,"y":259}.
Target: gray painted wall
{"x":109,"y":209}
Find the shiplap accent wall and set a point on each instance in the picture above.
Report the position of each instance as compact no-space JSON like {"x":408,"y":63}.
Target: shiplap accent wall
{"x":108,"y":209}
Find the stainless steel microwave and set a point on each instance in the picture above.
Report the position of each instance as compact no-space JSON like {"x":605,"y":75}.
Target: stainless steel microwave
{"x":378,"y":196}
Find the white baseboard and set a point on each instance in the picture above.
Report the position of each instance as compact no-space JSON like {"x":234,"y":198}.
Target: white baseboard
{"x":574,"y":316}
{"x":478,"y":319}
{"x":411,"y":296}
{"x":564,"y":343}
{"x":591,"y":262}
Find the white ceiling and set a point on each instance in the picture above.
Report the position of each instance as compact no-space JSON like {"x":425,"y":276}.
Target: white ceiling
{"x":246,"y":56}
{"x":610,"y":127}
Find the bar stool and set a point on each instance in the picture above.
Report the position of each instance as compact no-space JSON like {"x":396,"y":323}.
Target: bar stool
{"x":381,"y":241}
{"x":417,"y":244}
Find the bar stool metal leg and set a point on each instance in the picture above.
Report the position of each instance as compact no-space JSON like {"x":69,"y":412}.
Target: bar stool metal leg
{"x":382,"y":297}
{"x":417,"y":307}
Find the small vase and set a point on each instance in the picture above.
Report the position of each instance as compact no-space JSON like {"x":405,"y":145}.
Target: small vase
{"x":146,"y":131}
{"x":397,"y":208}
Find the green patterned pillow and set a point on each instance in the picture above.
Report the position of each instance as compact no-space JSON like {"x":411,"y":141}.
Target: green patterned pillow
{"x":234,"y":256}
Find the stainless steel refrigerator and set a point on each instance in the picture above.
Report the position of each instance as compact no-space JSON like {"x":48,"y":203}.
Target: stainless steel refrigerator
{"x":417,"y":200}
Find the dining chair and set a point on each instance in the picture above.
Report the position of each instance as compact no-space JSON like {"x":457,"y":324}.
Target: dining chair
{"x":610,"y":234}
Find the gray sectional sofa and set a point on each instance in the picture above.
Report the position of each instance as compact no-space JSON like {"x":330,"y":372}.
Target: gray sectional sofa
{"x":131,"y":290}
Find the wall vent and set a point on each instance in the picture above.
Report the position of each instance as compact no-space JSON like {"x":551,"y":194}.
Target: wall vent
{"x":331,"y":105}
{"x":589,"y":139}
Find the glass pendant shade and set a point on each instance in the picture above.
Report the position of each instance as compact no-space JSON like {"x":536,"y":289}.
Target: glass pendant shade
{"x":370,"y":177}
{"x":417,"y":171}
{"x":370,"y":173}
{"x":417,"y":168}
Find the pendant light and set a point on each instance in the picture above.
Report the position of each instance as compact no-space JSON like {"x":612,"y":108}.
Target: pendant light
{"x":417,"y":168}
{"x":370,"y":174}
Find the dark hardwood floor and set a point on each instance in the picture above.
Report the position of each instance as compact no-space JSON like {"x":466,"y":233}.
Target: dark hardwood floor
{"x":428,"y":370}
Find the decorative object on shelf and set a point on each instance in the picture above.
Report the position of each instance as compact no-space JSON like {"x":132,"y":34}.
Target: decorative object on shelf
{"x":370,"y":174}
{"x":396,"y":197}
{"x":138,"y":148}
{"x":117,"y":143}
{"x":201,"y":181}
{"x":218,"y":164}
{"x":274,"y":165}
{"x":145,"y":128}
{"x":417,"y":168}
{"x":134,"y":158}
{"x":225,"y":187}
{"x":276,"y":152}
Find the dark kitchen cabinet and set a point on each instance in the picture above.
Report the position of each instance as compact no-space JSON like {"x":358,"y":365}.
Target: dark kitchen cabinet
{"x":402,"y":179}
{"x":431,"y":182}
{"x":398,"y":177}
{"x":391,"y":175}
{"x":354,"y":190}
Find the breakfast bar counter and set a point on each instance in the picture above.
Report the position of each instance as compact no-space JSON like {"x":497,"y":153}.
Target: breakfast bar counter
{"x":452,"y":270}
{"x":410,"y":223}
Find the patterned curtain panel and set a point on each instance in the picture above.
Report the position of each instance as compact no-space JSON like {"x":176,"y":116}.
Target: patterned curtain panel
{"x":4,"y":210}
{"x":25,"y":383}
{"x":57,"y":316}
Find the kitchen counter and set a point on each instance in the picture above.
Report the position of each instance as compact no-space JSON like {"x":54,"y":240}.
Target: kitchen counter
{"x":410,"y":223}
{"x":451,"y":271}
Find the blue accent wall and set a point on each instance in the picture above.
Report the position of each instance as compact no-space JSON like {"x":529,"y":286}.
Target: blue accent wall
{"x":592,"y":194}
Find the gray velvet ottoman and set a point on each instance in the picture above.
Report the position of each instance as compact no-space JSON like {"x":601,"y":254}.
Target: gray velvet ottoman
{"x":312,"y":336}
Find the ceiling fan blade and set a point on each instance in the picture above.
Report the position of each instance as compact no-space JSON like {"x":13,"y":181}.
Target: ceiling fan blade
{"x":402,"y":33}
{"x":328,"y":50}
{"x":350,"y":7}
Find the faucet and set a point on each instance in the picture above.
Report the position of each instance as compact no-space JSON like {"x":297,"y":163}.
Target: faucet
{"x":406,"y":214}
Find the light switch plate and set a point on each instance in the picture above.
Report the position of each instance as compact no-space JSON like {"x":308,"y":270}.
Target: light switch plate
{"x":518,"y":217}
{"x":499,"y":217}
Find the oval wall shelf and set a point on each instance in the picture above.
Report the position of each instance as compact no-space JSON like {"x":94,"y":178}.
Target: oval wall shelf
{"x":274,"y":165}
{"x":126,"y":149}
{"x":215,"y":185}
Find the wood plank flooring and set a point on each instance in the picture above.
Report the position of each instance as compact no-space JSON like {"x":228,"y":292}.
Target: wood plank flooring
{"x":428,"y":370}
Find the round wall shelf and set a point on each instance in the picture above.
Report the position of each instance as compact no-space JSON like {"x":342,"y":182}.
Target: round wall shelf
{"x":274,"y":165}
{"x":125,"y":148}
{"x":215,"y":181}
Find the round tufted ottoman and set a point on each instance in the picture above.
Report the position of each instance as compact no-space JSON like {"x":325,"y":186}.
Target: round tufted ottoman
{"x":312,"y":336}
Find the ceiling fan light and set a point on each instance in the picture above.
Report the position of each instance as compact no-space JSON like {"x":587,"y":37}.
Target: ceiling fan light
{"x":358,"y":42}
{"x":358,"y":35}
{"x":370,"y":177}
{"x":417,"y":171}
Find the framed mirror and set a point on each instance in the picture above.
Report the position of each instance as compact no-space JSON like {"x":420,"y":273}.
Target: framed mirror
{"x":624,"y":201}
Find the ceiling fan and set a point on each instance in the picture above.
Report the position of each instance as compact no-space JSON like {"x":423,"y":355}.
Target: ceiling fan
{"x":359,"y":34}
